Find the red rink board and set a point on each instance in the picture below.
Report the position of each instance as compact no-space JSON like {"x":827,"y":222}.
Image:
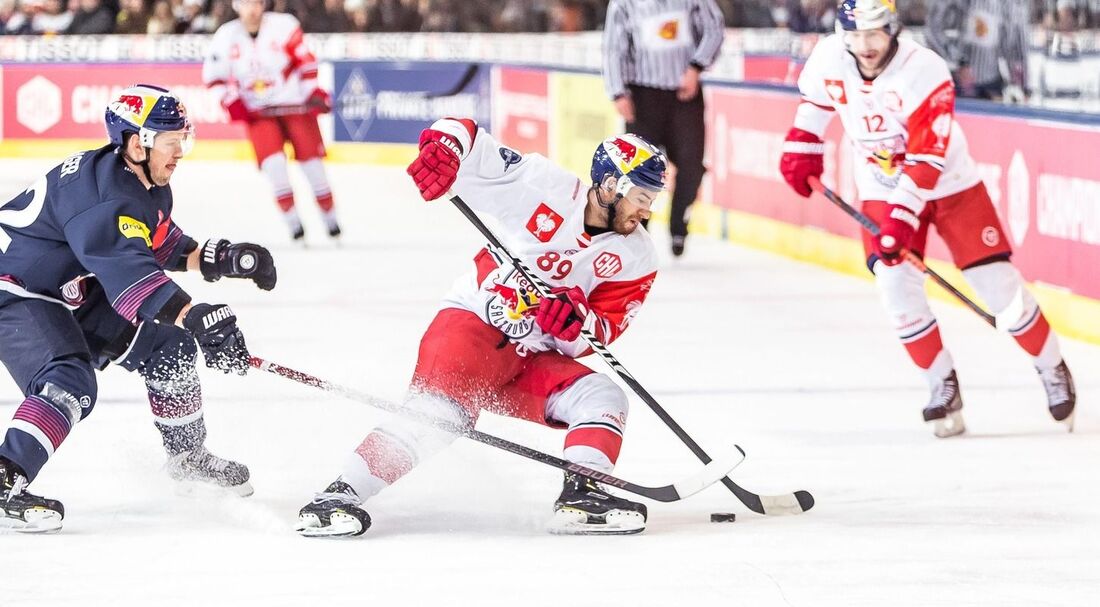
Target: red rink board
{"x":1038,"y":174}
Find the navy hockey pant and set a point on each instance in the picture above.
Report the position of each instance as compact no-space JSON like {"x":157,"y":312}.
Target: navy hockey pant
{"x":52,"y":354}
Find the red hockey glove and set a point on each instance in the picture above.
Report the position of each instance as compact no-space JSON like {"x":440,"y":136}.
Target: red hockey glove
{"x":319,"y":102}
{"x":895,"y":234}
{"x":436,"y":168}
{"x":803,"y":157}
{"x":237,"y":111}
{"x":561,"y":315}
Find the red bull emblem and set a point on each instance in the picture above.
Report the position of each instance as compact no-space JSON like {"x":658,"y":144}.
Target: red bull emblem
{"x":626,"y":149}
{"x":508,"y":295}
{"x":132,"y":103}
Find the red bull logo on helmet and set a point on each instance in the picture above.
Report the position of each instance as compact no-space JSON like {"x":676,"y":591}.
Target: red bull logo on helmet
{"x":627,"y":154}
{"x":134,"y":108}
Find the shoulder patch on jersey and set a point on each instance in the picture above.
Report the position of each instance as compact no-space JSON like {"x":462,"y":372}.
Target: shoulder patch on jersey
{"x":132,"y":228}
{"x":510,"y":157}
{"x":607,"y":264}
{"x":544,"y":223}
{"x":835,"y":89}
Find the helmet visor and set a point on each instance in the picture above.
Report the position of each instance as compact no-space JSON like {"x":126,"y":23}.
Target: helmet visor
{"x":175,"y":143}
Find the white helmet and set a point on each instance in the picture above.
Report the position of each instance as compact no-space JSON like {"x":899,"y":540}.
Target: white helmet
{"x":853,"y":15}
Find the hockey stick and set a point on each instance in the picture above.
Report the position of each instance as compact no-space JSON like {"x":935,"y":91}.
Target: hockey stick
{"x":791,"y":503}
{"x":1011,"y":314}
{"x":679,"y":490}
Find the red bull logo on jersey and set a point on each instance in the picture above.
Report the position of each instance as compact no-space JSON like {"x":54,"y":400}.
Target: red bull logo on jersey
{"x":544,"y":223}
{"x":511,"y":308}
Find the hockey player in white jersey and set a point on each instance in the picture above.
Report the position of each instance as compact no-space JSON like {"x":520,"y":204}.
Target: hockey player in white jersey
{"x":495,"y":346}
{"x":266,"y":77}
{"x":896,"y":101}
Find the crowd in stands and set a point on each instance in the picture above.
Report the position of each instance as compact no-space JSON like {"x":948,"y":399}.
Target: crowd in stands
{"x":323,"y":16}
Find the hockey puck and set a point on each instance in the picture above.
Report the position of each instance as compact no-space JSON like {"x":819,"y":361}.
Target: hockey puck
{"x":722,"y":517}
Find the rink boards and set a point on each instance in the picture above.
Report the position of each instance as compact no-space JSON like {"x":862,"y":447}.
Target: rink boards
{"x":1037,"y":169}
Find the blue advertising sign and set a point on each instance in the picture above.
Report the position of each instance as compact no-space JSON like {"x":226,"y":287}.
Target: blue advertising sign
{"x":391,"y":102}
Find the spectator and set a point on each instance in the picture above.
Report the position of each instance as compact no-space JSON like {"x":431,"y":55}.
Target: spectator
{"x":162,"y":21}
{"x":19,"y":22}
{"x":133,"y":18}
{"x":913,"y":12}
{"x":199,"y":21}
{"x":92,"y":18}
{"x":361,"y":16}
{"x":404,"y":15}
{"x":325,"y":16}
{"x":570,"y":16}
{"x":749,"y":13}
{"x":811,"y":16}
{"x":54,"y":19}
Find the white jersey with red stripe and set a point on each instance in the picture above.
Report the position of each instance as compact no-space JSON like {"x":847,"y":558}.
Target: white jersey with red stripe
{"x":908,"y":147}
{"x":273,"y":69}
{"x":536,"y":209}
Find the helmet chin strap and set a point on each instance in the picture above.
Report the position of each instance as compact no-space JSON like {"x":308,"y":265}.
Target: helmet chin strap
{"x":144,"y":164}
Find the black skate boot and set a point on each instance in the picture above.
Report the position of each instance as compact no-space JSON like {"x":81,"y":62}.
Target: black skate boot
{"x":331,"y":224}
{"x":678,"y":245}
{"x":585,"y":508}
{"x":335,"y":512}
{"x":22,"y":511}
{"x":1061,"y":395}
{"x":945,"y":408}
{"x":200,"y":465}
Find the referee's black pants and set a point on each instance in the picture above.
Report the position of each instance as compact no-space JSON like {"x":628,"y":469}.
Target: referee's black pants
{"x":678,"y":127}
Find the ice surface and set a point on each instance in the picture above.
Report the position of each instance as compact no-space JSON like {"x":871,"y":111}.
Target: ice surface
{"x":794,"y":363}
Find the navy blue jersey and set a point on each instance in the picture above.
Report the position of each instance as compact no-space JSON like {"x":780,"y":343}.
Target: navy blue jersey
{"x":91,"y":215}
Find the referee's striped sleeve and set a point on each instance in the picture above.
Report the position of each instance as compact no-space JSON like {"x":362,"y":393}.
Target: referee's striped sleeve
{"x":708,"y":19}
{"x":616,"y":49}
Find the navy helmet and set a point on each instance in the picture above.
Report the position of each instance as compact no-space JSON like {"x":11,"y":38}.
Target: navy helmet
{"x":855,"y":15}
{"x":146,"y":110}
{"x":632,"y":161}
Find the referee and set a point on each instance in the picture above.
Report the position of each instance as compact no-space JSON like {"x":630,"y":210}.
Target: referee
{"x":653,"y":53}
{"x":976,"y":37}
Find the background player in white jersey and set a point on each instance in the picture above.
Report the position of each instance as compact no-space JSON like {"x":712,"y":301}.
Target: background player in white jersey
{"x":267,"y":78}
{"x":495,"y":346}
{"x":896,"y":101}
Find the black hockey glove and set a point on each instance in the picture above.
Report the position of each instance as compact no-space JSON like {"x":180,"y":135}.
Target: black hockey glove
{"x":222,"y":343}
{"x":245,"y":260}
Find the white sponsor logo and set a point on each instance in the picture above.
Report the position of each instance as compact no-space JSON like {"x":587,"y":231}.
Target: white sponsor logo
{"x":1068,"y":208}
{"x":216,"y":316}
{"x":38,"y":104}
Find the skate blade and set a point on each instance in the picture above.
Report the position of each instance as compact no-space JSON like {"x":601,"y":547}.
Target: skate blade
{"x":950,"y":425}
{"x":340,"y":525}
{"x":37,"y":520}
{"x":569,"y":521}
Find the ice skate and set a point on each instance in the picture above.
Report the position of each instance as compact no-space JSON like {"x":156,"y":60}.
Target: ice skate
{"x":1061,"y":395}
{"x":585,"y":508}
{"x":335,"y":512}
{"x":200,"y":465}
{"x":945,"y":408}
{"x":22,"y":511}
{"x":331,"y":224}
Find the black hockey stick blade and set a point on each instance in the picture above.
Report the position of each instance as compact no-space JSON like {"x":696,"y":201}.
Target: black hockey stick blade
{"x":686,"y":487}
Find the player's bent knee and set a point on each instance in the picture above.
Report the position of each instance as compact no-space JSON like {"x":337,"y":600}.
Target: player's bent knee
{"x":998,"y":284}
{"x":592,"y":398}
{"x":69,"y":385}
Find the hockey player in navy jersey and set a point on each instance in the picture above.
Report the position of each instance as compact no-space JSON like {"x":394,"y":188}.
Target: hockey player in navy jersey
{"x":83,"y":255}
